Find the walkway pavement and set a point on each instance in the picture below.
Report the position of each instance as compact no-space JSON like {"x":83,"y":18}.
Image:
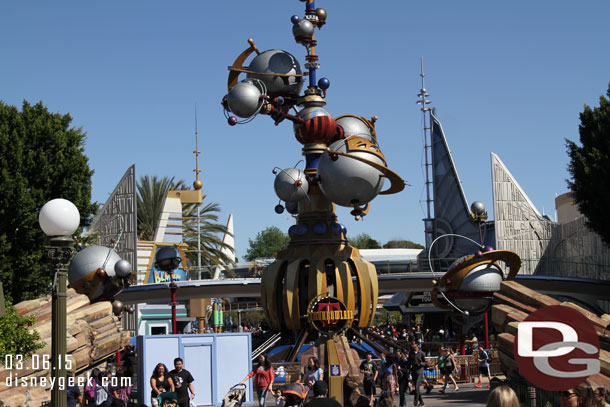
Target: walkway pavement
{"x":467,"y":396}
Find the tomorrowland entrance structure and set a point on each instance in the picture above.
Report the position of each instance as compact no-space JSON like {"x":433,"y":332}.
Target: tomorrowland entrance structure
{"x":319,"y":282}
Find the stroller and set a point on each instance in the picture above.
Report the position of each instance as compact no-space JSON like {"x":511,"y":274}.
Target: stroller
{"x":168,"y":399}
{"x":295,"y":394}
{"x":235,"y":396}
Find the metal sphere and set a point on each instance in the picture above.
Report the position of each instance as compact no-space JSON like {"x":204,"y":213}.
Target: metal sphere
{"x":291,"y":185}
{"x":292,"y":208}
{"x":324,"y":83}
{"x":335,"y":228}
{"x":122,"y":268}
{"x":276,"y":61}
{"x":321,"y":14}
{"x":309,"y":113}
{"x":478,"y":208}
{"x":318,"y":126}
{"x":197,"y":184}
{"x":354,"y":126}
{"x":292,"y":230}
{"x":244,"y":99}
{"x":294,"y":19}
{"x":90,"y":259}
{"x":347,"y":181}
{"x":473,"y":305}
{"x":301,"y":229}
{"x":117,"y":307}
{"x":232,"y":121}
{"x":485,"y":277}
{"x":320,"y":228}
{"x":279,"y":209}
{"x":168,"y":258}
{"x":303,"y":29}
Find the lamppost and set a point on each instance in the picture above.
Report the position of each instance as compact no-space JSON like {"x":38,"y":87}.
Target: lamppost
{"x":59,"y":219}
{"x":168,"y":259}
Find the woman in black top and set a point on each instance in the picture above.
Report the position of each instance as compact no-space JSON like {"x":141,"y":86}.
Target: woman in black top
{"x":160,"y":382}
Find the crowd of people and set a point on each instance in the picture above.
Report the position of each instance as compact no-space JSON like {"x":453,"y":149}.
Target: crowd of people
{"x":416,"y":333}
{"x":102,"y":389}
{"x":400,"y":373}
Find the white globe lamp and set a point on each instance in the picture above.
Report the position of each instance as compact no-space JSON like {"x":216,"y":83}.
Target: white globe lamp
{"x":59,"y":217}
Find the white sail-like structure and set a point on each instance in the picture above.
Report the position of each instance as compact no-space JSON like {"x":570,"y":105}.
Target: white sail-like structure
{"x":518,"y":224}
{"x":229,"y":249}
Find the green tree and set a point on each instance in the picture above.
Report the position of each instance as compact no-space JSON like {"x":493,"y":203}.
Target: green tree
{"x":267,"y":244}
{"x":41,"y":158}
{"x":402,"y":244}
{"x":151,"y":195}
{"x":590,"y":167}
{"x":364,"y":241}
{"x":15,"y":338}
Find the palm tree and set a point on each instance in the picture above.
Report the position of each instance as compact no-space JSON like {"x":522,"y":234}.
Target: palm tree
{"x":151,"y":195}
{"x":211,"y":236}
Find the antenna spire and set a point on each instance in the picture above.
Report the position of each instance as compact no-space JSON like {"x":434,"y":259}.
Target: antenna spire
{"x":197,"y":184}
{"x":429,"y":221}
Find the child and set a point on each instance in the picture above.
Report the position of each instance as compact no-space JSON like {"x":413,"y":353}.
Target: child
{"x":280,"y":400}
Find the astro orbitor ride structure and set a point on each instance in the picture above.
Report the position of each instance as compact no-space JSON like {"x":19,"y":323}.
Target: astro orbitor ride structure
{"x":344,"y":166}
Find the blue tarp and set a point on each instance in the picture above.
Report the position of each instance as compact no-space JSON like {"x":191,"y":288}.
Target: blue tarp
{"x":280,"y":348}
{"x":363,"y":348}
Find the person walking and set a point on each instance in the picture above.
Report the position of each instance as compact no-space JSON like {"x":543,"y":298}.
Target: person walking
{"x":472,"y":342}
{"x":73,"y":393}
{"x":264,"y":376}
{"x":103,"y":390}
{"x":417,"y":361}
{"x":313,"y":372}
{"x":160,"y":382}
{"x":483,"y":367}
{"x":369,"y":369}
{"x":183,"y":382}
{"x":418,"y":335}
{"x":447,"y":369}
{"x":389,"y":379}
{"x":121,"y":392}
{"x":403,"y":378}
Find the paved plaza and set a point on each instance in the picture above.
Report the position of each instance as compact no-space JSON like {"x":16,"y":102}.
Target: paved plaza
{"x":467,"y":396}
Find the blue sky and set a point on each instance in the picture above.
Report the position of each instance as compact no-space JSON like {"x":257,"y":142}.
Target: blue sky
{"x":506,"y":77}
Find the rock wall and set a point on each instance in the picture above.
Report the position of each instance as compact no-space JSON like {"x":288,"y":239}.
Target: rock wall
{"x":514,"y":302}
{"x":93,"y":333}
